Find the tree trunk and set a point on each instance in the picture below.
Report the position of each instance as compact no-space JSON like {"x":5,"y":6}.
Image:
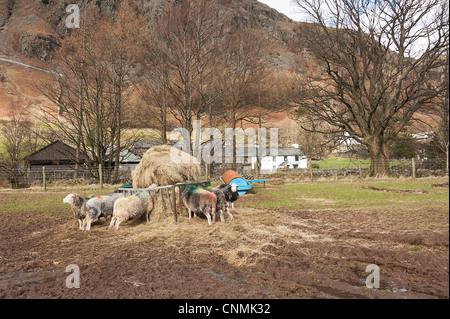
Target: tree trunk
{"x":233,"y":121}
{"x":379,"y":158}
{"x":164,"y":123}
{"x":446,"y":160}
{"x":77,"y":160}
{"x":117,"y":155}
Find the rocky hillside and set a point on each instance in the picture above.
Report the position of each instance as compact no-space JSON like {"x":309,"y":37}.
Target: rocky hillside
{"x":30,"y":31}
{"x":33,"y":28}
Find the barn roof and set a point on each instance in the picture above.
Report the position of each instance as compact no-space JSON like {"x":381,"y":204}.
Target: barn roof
{"x":56,"y":151}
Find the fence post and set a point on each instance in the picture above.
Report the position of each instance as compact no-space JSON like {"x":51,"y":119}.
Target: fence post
{"x":413,"y":168}
{"x":311,"y":170}
{"x":174,"y":204}
{"x":44,"y":180}
{"x":100,"y":172}
{"x":360,"y":169}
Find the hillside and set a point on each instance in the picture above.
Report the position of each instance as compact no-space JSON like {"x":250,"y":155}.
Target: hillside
{"x":31,"y":30}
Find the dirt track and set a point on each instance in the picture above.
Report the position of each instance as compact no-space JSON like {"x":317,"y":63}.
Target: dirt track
{"x":262,"y":254}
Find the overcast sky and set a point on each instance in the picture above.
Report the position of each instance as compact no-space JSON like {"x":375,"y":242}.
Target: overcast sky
{"x":286,"y":7}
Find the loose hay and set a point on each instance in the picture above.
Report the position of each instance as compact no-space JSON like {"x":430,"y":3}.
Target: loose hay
{"x":157,"y":167}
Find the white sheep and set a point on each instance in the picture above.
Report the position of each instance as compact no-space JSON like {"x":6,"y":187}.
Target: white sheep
{"x":132,"y":207}
{"x":101,"y":206}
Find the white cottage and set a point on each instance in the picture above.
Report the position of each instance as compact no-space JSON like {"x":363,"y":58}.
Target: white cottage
{"x":287,"y":158}
{"x":274,"y":159}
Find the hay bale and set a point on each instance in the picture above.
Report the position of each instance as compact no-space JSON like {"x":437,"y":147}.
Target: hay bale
{"x":157,"y":167}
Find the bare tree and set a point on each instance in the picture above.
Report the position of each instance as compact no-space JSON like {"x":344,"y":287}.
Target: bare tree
{"x":17,"y":141}
{"x":81,"y":113}
{"x":441,"y":137}
{"x":377,"y":59}
{"x":94,"y":68}
{"x":120,"y":37}
{"x":189,"y":35}
{"x":153,"y":86}
{"x":239,"y":86}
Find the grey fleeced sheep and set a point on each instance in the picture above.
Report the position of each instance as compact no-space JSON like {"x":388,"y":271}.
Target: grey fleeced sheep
{"x":222,"y":204}
{"x":78,"y":206}
{"x":101,"y":206}
{"x":140,"y":204}
{"x":198,"y":200}
{"x":231,"y":193}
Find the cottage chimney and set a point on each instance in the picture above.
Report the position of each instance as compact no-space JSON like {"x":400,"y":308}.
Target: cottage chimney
{"x":295,"y":145}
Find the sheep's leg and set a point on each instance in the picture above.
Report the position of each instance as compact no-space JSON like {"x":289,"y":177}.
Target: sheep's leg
{"x":88,"y":224}
{"x":80,"y":223}
{"x":222,"y":218}
{"x":213,"y":217}
{"x":232,"y":205}
{"x":228,"y":212}
{"x":117,"y":225}
{"x":83,"y":224}
{"x":111,"y":225}
{"x":189,"y":212}
{"x":208,"y":216}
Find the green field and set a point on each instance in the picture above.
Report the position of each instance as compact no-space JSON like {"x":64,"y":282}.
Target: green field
{"x":331,"y":163}
{"x":365,"y":194}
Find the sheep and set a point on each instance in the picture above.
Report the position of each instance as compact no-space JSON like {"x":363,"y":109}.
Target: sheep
{"x":222,"y":204}
{"x":101,"y":206}
{"x":140,"y":204}
{"x":200,"y":200}
{"x":78,"y":206}
{"x":231,"y":193}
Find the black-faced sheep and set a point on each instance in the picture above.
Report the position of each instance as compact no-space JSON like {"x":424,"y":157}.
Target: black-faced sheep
{"x":78,"y":206}
{"x":101,"y":206}
{"x":222,"y":204}
{"x":231,"y":193}
{"x":132,"y":207}
{"x":199,"y":200}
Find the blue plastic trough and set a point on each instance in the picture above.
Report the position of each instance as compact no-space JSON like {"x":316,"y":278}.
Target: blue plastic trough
{"x":243,"y":185}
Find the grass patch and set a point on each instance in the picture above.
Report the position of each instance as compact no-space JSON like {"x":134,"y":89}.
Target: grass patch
{"x":357,"y":195}
{"x":330,"y":163}
{"x":334,"y":163}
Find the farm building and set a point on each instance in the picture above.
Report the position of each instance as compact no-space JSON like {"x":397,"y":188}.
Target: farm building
{"x":55,"y":156}
{"x":140,"y":147}
{"x":272,"y":160}
{"x":287,"y":158}
{"x":128,"y":160}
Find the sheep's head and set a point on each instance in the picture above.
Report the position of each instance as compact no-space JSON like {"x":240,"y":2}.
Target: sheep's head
{"x":70,"y":199}
{"x":234,"y":187}
{"x":73,"y":200}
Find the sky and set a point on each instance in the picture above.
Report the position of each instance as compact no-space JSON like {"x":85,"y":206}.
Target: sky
{"x":286,"y":7}
{"x":293,"y":11}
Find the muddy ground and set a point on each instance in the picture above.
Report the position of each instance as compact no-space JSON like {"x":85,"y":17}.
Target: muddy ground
{"x":261,"y":254}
